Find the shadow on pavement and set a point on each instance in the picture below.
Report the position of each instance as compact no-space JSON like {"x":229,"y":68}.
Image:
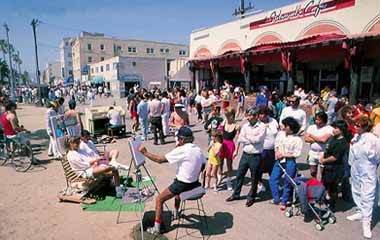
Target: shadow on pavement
{"x":216,"y":225}
{"x":40,"y":134}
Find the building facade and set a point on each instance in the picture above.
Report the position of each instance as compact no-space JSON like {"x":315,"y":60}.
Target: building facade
{"x":66,"y":58}
{"x":312,"y":43}
{"x":91,"y":48}
{"x":52,"y":73}
{"x":179,"y":74}
{"x":120,"y":74}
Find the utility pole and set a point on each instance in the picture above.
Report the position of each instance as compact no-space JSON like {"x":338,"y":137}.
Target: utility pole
{"x":34,"y":24}
{"x":12,"y":87}
{"x":242,"y":9}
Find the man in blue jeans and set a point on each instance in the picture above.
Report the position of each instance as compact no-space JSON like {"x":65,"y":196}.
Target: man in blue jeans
{"x":251,"y":138}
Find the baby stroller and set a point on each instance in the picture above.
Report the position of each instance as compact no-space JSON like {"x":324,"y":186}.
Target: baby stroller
{"x":309,"y":195}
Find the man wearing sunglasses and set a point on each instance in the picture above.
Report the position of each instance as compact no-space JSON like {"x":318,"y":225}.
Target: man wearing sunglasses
{"x":189,"y":160}
{"x":295,"y":112}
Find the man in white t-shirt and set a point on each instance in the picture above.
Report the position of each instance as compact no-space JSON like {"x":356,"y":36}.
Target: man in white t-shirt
{"x":295,"y":112}
{"x":189,"y":160}
{"x":317,"y":135}
{"x":114,"y":117}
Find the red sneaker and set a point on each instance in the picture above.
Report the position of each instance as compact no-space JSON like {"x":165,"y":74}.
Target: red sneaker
{"x":282,"y":207}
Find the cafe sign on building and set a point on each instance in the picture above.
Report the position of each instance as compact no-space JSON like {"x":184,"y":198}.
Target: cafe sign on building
{"x":312,"y":8}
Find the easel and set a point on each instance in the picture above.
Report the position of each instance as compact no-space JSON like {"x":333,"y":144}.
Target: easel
{"x":138,"y":186}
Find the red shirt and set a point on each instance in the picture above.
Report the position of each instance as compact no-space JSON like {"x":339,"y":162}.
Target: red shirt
{"x":359,"y":112}
{"x":7,"y":126}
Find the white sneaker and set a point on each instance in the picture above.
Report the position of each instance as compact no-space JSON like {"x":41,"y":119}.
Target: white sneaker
{"x":153,"y":231}
{"x":229,"y":186}
{"x":355,"y":217}
{"x":367,"y":229}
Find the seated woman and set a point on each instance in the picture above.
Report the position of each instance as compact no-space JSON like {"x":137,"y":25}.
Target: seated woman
{"x":87,"y":167}
{"x":88,"y":149}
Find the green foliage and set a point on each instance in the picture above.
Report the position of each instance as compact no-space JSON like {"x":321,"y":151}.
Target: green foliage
{"x":4,"y":72}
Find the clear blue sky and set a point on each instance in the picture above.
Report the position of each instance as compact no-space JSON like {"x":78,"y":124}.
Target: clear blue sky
{"x":162,"y":20}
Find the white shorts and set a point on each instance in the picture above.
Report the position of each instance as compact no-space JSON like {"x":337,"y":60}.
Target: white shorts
{"x":313,"y":157}
{"x":88,"y":173}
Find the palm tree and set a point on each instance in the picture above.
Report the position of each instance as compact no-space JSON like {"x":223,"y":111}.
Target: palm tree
{"x":18,"y":62}
{"x":4,"y":72}
{"x":3,"y":47}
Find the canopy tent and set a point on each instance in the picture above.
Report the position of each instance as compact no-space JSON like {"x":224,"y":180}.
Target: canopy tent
{"x":97,"y":80}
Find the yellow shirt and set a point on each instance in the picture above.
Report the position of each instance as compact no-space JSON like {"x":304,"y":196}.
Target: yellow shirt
{"x":213,"y":157}
{"x":375,"y":116}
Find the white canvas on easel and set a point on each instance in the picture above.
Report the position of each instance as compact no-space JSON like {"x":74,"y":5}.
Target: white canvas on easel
{"x":138,"y":157}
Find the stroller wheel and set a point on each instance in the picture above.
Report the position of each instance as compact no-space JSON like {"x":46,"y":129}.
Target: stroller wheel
{"x":319,"y":227}
{"x":332,"y":219}
{"x":289,"y":213}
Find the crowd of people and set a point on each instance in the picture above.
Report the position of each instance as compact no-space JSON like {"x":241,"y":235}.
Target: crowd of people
{"x":274,"y":134}
{"x":344,"y":142}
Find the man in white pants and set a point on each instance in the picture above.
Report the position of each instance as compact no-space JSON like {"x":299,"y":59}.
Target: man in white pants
{"x":165,"y":104}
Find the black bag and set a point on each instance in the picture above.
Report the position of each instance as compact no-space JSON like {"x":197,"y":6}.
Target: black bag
{"x":100,"y":188}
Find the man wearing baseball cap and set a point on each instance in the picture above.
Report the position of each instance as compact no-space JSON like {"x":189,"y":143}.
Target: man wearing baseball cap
{"x":189,"y":160}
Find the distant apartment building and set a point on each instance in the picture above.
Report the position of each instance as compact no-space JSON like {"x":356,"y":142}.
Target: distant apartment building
{"x":52,"y":73}
{"x":66,"y":58}
{"x":120,"y":74}
{"x":91,"y":48}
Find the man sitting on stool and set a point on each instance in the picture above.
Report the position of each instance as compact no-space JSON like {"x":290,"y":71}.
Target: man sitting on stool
{"x":189,"y":159}
{"x":114,"y":117}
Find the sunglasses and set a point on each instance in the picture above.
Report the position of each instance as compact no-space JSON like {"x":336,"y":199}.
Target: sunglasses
{"x":358,"y":126}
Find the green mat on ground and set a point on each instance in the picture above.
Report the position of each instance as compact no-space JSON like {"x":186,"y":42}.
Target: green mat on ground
{"x":112,"y":204}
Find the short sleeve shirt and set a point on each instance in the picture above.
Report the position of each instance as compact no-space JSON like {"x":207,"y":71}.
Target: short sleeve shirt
{"x":88,"y":149}
{"x":189,"y":160}
{"x":337,"y":148}
{"x":314,"y":130}
{"x":78,"y":162}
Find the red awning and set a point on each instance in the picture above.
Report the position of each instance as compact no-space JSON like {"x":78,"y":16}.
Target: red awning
{"x":312,"y":48}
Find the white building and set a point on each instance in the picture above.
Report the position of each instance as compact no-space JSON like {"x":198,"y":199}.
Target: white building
{"x":52,"y":73}
{"x":179,"y":74}
{"x":90,"y":48}
{"x":311,"y":43}
{"x":66,"y":58}
{"x":121,"y":73}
